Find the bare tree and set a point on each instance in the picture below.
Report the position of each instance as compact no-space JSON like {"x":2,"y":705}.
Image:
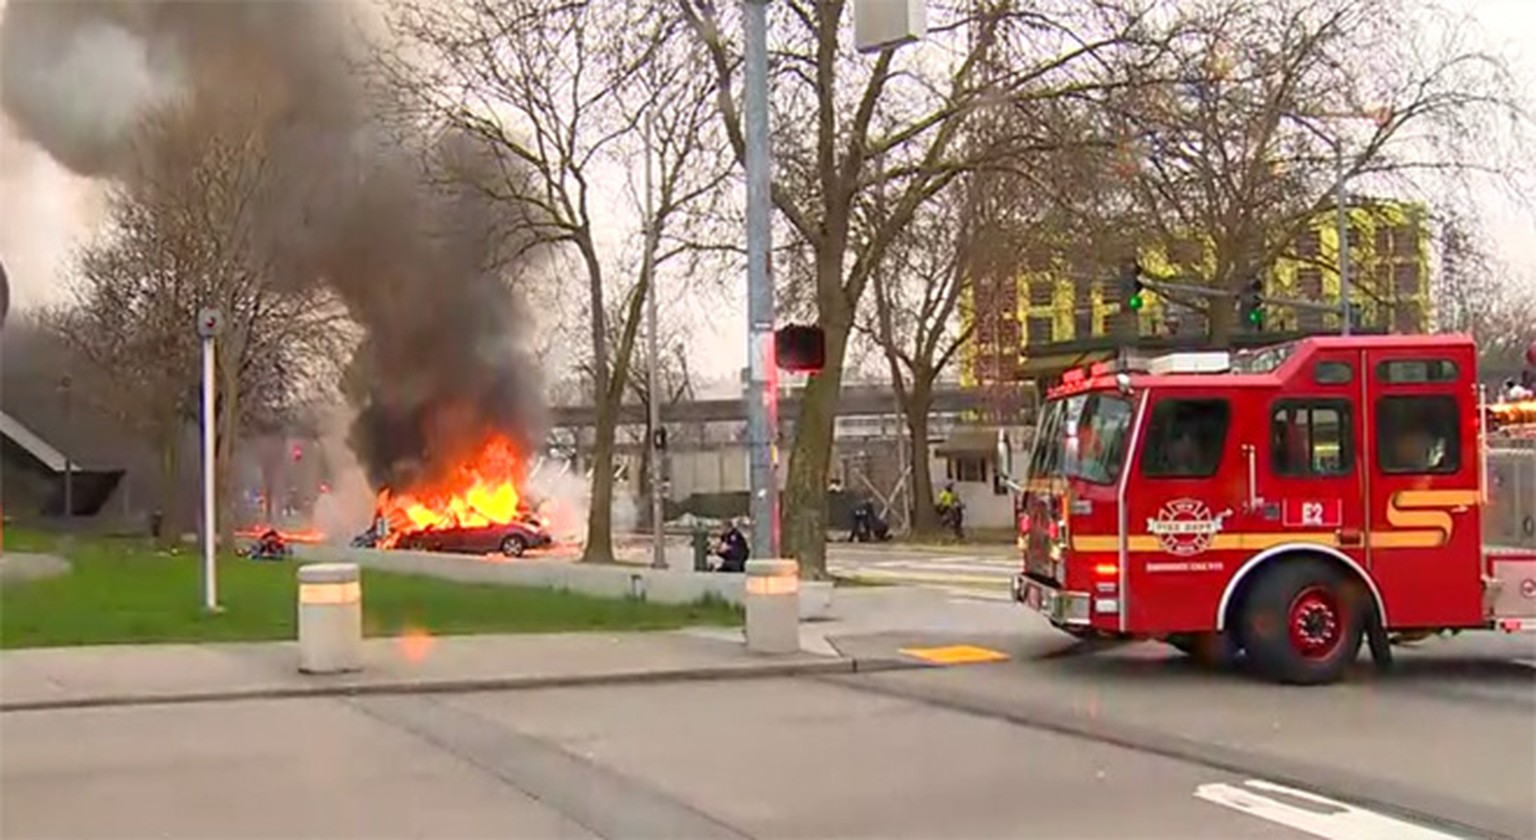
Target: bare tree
{"x":1235,"y":133}
{"x":1483,"y":299}
{"x":836,"y":113}
{"x":916,"y":324}
{"x":182,"y":237}
{"x":561,"y":89}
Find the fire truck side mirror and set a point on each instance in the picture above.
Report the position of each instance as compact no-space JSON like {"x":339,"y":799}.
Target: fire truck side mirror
{"x":1123,"y":382}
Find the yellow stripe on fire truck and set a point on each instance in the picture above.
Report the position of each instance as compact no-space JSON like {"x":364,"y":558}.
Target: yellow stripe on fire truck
{"x":1422,"y":519}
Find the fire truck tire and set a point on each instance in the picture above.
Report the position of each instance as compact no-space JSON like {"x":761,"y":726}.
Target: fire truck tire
{"x":513,"y":546}
{"x":1302,"y":622}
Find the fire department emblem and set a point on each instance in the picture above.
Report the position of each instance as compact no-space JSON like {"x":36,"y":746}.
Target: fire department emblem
{"x":1186,"y":527}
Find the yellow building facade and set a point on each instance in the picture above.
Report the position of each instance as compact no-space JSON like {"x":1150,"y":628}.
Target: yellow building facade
{"x":1057,"y":302}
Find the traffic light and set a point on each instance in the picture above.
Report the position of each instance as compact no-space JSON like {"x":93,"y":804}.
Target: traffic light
{"x":799,"y":348}
{"x":1250,"y":304}
{"x":1132,"y":287}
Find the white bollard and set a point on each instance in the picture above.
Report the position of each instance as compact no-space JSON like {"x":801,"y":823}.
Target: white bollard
{"x":773,"y":606}
{"x":330,"y":618}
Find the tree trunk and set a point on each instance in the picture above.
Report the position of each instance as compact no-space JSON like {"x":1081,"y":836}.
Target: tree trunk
{"x":229,"y":425}
{"x":805,"y":521}
{"x":599,"y":547}
{"x":600,"y":515}
{"x":925,"y":520}
{"x":166,"y":509}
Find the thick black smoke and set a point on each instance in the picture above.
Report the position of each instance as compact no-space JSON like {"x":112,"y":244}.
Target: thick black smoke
{"x":416,"y":263}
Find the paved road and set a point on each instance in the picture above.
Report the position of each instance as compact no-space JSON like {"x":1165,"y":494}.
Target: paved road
{"x":1450,"y":732}
{"x":767,"y":758}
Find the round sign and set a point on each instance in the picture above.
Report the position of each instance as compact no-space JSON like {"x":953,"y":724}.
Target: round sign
{"x":208,"y":323}
{"x":1528,"y":587}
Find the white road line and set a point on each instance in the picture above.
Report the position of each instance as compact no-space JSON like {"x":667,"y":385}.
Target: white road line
{"x":1329,"y":819}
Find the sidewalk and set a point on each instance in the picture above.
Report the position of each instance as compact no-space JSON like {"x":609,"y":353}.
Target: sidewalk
{"x":45,"y":678}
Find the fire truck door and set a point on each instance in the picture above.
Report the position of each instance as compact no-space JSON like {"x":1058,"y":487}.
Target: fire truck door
{"x":1426,"y":545}
{"x":1312,"y":478}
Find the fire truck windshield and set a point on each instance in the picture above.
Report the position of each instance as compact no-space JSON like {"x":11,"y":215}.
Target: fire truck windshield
{"x":1082,"y":436}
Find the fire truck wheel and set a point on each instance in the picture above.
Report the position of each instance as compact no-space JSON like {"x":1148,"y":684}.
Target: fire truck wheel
{"x":513,"y":546}
{"x":1302,"y":622}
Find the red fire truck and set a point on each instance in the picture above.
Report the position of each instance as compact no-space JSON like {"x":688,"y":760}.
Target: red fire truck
{"x":1280,"y":504}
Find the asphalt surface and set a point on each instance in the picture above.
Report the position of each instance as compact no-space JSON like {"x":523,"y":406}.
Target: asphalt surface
{"x":778,"y":758}
{"x":1053,"y":741}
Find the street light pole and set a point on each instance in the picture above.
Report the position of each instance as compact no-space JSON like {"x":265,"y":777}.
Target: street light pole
{"x":762,"y":394}
{"x":1341,"y":197}
{"x":209,"y":322}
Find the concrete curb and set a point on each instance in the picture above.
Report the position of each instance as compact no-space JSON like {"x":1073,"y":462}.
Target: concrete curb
{"x":354,"y":687}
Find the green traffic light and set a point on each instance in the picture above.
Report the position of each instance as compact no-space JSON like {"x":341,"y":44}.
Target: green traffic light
{"x":1135,"y":303}
{"x":1255,"y":317}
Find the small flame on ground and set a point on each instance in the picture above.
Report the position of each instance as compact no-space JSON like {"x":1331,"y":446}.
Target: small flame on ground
{"x":308,"y":535}
{"x":415,"y":644}
{"x":480,"y":493}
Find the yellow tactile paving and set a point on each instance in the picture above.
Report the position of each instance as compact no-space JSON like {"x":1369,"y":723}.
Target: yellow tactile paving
{"x":956,"y":655}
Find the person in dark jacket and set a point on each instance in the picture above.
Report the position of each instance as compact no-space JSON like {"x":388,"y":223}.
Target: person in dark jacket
{"x":733,"y":550}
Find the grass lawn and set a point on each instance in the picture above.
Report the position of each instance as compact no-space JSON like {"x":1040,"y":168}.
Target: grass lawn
{"x":123,"y":590}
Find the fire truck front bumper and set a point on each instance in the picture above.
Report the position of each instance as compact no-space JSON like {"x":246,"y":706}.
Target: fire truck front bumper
{"x":1060,"y":606}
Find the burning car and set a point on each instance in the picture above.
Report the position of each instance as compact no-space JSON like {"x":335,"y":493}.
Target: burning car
{"x":510,"y":538}
{"x":478,"y":509}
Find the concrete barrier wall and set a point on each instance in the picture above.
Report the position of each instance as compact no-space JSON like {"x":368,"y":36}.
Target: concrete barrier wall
{"x":662,"y":586}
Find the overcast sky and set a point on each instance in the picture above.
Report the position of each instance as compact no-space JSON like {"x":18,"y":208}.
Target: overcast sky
{"x":44,"y":211}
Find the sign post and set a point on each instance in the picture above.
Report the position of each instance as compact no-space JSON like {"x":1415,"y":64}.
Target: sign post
{"x":209,"y":321}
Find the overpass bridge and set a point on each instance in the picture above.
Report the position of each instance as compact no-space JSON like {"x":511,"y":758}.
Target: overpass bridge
{"x":854,"y":401}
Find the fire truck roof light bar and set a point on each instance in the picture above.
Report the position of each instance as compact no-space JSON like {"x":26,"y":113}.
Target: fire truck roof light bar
{"x":1215,"y":361}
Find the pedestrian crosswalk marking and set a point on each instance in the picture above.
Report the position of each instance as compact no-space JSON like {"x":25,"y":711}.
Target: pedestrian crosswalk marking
{"x":1313,"y":814}
{"x":926,"y":577}
{"x":956,"y":655}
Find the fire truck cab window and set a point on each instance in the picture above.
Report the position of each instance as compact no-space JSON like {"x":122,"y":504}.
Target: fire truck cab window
{"x":1417,"y":371}
{"x":1311,"y":439}
{"x":1333,"y":373}
{"x":1097,"y":452}
{"x":1186,"y":438}
{"x":1418,"y":435}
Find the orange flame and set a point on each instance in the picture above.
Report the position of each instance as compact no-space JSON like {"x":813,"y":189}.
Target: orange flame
{"x":480,"y":493}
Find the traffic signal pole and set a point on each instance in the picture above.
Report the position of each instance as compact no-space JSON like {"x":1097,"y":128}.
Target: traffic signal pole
{"x":1346,"y":307}
{"x":762,"y":392}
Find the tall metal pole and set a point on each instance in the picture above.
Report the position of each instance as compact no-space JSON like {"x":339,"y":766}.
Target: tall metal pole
{"x":762,"y":391}
{"x":653,"y":463}
{"x":210,"y":525}
{"x":1346,"y":307}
